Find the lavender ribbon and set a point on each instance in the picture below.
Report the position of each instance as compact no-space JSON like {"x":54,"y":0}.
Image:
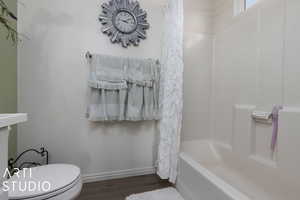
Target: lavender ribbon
{"x":275,"y":119}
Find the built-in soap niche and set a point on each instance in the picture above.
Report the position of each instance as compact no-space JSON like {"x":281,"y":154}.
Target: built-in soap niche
{"x":252,"y":139}
{"x":288,"y":141}
{"x":262,"y":136}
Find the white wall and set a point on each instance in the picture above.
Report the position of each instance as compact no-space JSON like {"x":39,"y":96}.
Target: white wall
{"x":53,"y":87}
{"x":256,"y":63}
{"x":197,"y":73}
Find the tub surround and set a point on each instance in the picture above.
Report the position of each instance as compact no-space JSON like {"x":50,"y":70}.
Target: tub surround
{"x":256,"y":64}
{"x":254,"y":67}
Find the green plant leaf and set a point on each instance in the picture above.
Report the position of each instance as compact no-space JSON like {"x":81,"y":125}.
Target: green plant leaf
{"x":5,"y":13}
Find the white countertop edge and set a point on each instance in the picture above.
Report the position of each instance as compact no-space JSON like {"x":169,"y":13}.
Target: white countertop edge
{"x":12,"y":119}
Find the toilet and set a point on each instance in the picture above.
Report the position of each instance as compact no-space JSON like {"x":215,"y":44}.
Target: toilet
{"x":51,"y":182}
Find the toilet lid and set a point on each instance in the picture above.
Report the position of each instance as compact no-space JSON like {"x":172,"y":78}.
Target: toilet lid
{"x":42,"y":180}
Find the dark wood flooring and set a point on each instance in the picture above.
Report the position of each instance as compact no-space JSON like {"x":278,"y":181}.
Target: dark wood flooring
{"x":119,"y":189}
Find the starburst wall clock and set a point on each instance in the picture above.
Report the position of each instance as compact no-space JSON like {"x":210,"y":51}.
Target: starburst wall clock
{"x":124,"y":21}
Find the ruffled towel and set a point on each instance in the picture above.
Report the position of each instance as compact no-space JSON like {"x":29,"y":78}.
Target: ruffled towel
{"x":123,"y":89}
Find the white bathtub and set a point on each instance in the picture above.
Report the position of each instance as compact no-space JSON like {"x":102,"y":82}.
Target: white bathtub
{"x":210,"y":171}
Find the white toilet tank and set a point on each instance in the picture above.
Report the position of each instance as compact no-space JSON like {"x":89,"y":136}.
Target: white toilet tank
{"x":3,"y":195}
{"x":6,"y":120}
{"x":3,"y":158}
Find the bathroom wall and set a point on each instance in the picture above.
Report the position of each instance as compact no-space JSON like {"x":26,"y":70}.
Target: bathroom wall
{"x":256,"y":65}
{"x":8,"y":77}
{"x":53,"y":88}
{"x":248,"y":65}
{"x":198,"y":36}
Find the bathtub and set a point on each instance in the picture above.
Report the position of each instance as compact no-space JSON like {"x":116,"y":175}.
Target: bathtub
{"x":211,"y":171}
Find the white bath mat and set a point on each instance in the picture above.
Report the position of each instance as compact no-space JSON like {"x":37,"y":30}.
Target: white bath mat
{"x":164,"y":194}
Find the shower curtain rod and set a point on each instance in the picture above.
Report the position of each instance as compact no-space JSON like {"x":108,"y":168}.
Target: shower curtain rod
{"x":88,"y":55}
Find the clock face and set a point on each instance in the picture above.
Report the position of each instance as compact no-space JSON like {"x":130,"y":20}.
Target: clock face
{"x":125,"y":22}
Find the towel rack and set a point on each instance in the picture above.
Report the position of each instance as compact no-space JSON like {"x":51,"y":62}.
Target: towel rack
{"x":88,"y":55}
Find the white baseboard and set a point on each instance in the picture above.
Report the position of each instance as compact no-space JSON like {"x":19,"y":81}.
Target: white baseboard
{"x":88,"y":178}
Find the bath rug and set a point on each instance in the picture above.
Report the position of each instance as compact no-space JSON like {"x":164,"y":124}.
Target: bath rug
{"x":164,"y":194}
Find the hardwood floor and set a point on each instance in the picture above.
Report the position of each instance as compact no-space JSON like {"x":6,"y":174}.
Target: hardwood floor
{"x":119,"y":189}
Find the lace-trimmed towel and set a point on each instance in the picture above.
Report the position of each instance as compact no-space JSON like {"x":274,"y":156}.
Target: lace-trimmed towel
{"x":123,"y":89}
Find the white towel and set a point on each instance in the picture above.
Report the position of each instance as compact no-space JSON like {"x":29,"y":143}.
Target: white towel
{"x":123,"y":89}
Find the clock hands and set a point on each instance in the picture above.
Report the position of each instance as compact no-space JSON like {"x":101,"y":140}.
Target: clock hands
{"x":128,"y":19}
{"x":125,"y":21}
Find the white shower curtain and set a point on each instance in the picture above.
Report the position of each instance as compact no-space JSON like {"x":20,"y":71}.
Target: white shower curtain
{"x":171,"y":91}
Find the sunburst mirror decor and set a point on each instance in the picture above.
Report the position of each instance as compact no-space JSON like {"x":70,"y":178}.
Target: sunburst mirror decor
{"x":124,"y":22}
